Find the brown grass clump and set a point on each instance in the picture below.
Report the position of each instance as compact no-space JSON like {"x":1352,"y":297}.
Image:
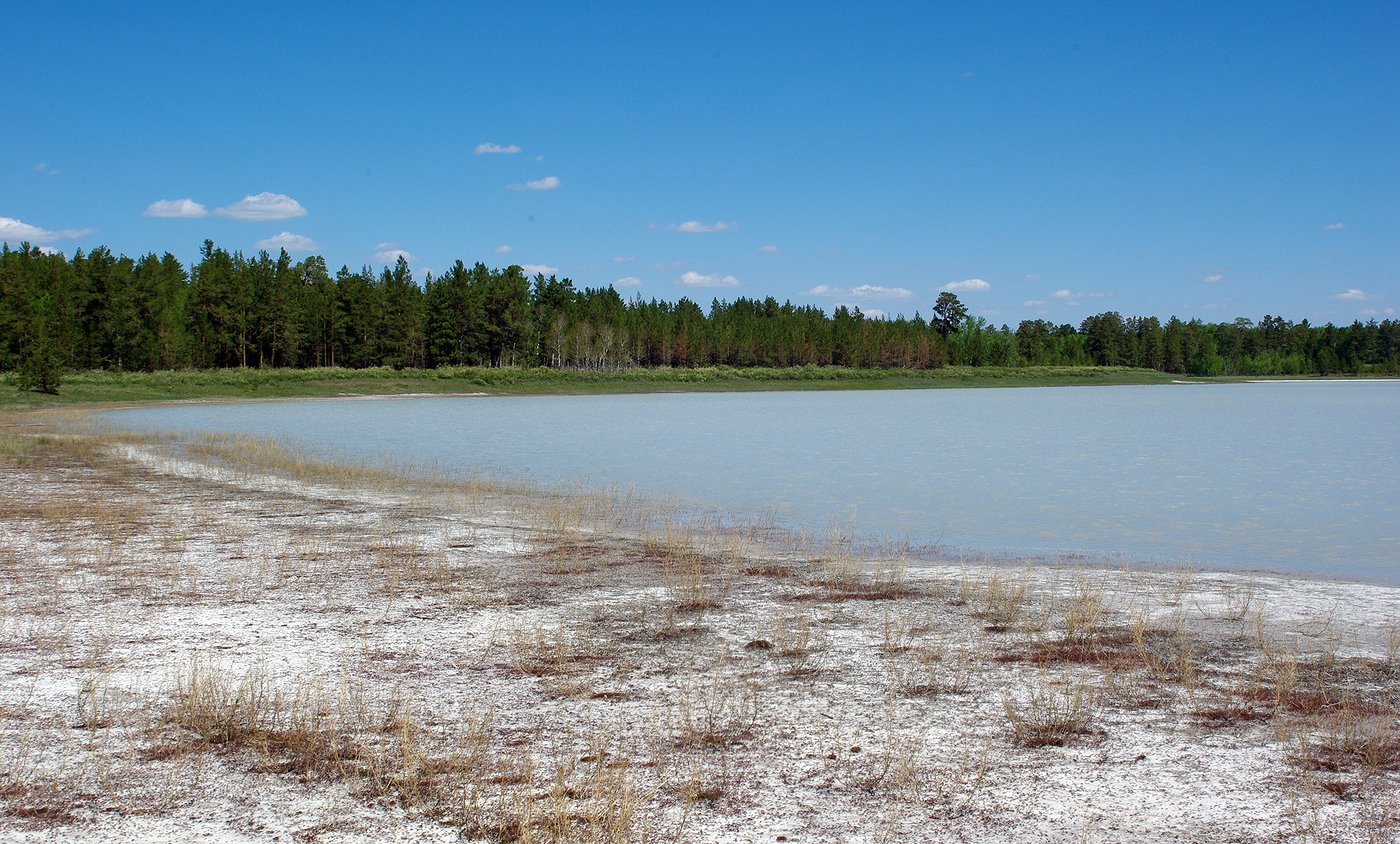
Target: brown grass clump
{"x":934,"y":671}
{"x":1052,"y":713}
{"x":695,"y":580}
{"x":718,"y":711}
{"x":998,"y":602}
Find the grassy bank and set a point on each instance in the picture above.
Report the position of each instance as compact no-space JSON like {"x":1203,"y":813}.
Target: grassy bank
{"x":102,"y":386}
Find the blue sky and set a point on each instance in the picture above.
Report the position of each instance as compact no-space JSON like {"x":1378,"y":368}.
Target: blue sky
{"x":1044,"y":160}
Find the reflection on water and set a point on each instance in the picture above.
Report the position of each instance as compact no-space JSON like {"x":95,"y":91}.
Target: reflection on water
{"x":1264,"y":475}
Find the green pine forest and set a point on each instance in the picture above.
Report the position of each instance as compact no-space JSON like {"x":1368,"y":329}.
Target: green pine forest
{"x":98,"y":311}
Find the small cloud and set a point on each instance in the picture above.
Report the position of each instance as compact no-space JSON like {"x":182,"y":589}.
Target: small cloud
{"x":539,"y":269}
{"x":547,"y":183}
{"x":1369,"y":312}
{"x":623,"y":259}
{"x":1065,"y":294}
{"x":1334,"y":227}
{"x":629,"y":281}
{"x":873,"y":313}
{"x":1214,"y":278}
{"x":1031,"y":277}
{"x":495,"y":149}
{"x":389,"y":252}
{"x":504,"y":249}
{"x":694,"y":279}
{"x":290,"y":242}
{"x":48,"y":250}
{"x":17,"y":231}
{"x":876,"y":291}
{"x":770,"y":249}
{"x":186,"y":208}
{"x":1354,"y":295}
{"x":263,"y":206}
{"x":1033,"y":303}
{"x":863,"y":292}
{"x":697,"y":227}
{"x":967,"y":286}
{"x":43,"y":167}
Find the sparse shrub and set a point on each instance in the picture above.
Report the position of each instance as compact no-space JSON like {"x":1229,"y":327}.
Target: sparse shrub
{"x":1051,"y":713}
{"x":1000,"y":603}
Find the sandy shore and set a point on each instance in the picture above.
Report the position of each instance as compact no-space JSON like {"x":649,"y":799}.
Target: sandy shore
{"x":234,"y":643}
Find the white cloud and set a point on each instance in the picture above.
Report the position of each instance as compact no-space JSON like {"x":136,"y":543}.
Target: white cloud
{"x":1070,"y":295}
{"x":770,"y":249}
{"x":1031,"y":277}
{"x":967,"y":285}
{"x":697,"y":227}
{"x":539,"y":269}
{"x":547,"y":183}
{"x":504,"y":249}
{"x":186,"y":208}
{"x":694,"y":279}
{"x":876,"y":291}
{"x":390,"y":253}
{"x":861,"y":292}
{"x":629,"y":281}
{"x":1033,"y":303}
{"x":1333,"y":227}
{"x":263,"y":206}
{"x":873,"y":313}
{"x":1354,"y":295}
{"x":622,"y":259}
{"x":1214,"y":278}
{"x":1369,"y":312}
{"x":43,"y":167}
{"x":290,"y":242}
{"x":48,"y":250}
{"x":495,"y":149}
{"x":17,"y":231}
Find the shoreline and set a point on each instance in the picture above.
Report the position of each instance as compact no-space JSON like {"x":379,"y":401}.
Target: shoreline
{"x":437,"y":660}
{"x":934,"y":547}
{"x":103,"y":387}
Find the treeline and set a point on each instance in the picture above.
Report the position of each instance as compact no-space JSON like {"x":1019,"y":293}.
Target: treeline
{"x":100,"y":311}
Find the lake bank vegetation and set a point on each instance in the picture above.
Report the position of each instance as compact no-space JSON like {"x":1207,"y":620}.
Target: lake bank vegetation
{"x":97,"y":311}
{"x":169,"y":385}
{"x":225,"y":637}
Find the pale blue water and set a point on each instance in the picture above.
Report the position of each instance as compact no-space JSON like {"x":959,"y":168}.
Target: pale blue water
{"x":1299,"y":477}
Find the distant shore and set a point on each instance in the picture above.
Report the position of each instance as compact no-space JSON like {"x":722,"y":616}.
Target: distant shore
{"x":124,"y":387}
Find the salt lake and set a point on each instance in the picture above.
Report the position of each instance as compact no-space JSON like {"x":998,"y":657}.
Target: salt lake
{"x":1301,"y":477}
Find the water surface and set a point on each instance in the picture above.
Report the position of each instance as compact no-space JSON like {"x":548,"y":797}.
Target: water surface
{"x":1292,"y":476}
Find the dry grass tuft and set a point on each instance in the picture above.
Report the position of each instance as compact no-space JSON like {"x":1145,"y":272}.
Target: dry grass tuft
{"x":1052,"y":712}
{"x":998,"y":602}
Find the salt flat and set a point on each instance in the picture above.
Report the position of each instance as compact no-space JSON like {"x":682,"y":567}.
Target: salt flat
{"x":226,"y":640}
